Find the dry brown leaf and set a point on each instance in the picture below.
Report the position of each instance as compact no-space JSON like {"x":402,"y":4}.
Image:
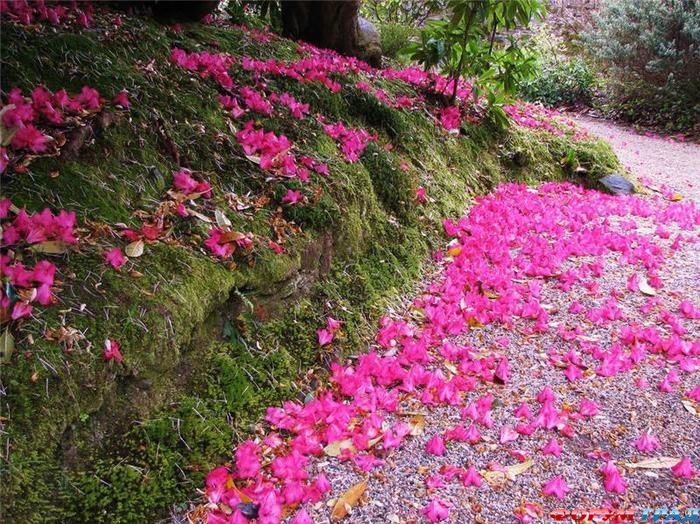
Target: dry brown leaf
{"x":417,"y":424}
{"x":347,"y":500}
{"x":654,"y":463}
{"x":51,"y":247}
{"x":231,"y":236}
{"x":135,"y":249}
{"x":510,"y":473}
{"x":335,"y":448}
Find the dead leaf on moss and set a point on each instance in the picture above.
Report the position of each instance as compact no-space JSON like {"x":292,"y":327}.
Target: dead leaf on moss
{"x":135,"y":249}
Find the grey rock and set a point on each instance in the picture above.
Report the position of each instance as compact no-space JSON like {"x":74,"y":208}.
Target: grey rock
{"x":369,"y":46}
{"x":617,"y":184}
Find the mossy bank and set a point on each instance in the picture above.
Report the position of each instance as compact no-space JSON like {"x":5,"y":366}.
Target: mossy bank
{"x":207,"y":347}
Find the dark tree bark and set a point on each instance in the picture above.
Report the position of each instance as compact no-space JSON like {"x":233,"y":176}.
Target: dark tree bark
{"x":332,"y":24}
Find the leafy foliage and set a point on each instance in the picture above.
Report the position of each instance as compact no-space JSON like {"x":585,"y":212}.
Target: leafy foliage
{"x":472,"y":44}
{"x":395,"y":37}
{"x":406,"y":12}
{"x":567,"y":82}
{"x":651,"y":51}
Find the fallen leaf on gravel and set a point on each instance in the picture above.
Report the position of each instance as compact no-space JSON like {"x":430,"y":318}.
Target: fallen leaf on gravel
{"x":334,"y":448}
{"x":349,"y":499}
{"x":417,"y":424}
{"x":135,"y":249}
{"x":645,"y":288}
{"x":474,"y":323}
{"x":654,"y":463}
{"x":510,"y":472}
{"x":688,"y":405}
{"x":676,"y":197}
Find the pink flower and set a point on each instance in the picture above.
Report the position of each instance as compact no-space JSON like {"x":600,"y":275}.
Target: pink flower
{"x":332,"y":324}
{"x":247,"y":461}
{"x":556,"y":487}
{"x":44,"y":272}
{"x":503,"y":371}
{"x":4,"y":160}
{"x":684,"y":469}
{"x":270,"y":510}
{"x":324,"y":337}
{"x":302,"y":517}
{"x":471,"y":477}
{"x":523,"y":411}
{"x":115,"y":258}
{"x":546,"y":395}
{"x":292,"y":197}
{"x":21,"y":310}
{"x":122,"y":99}
{"x":89,"y":98}
{"x":436,"y":510}
{"x":694,"y":394}
{"x":216,"y":246}
{"x":436,"y":446}
{"x":473,"y":435}
{"x":216,"y":483}
{"x":573,"y":373}
{"x":450,"y":118}
{"x":612,"y":479}
{"x":111,"y":351}
{"x":278,"y":249}
{"x":184,"y":182}
{"x":588,"y":408}
{"x":421,"y":195}
{"x":552,"y":448}
{"x":30,"y":138}
{"x":508,"y":434}
{"x":647,"y":443}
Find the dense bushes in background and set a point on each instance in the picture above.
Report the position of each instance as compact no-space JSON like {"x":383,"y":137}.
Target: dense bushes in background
{"x":564,"y":83}
{"x":650,"y":51}
{"x":564,"y":77}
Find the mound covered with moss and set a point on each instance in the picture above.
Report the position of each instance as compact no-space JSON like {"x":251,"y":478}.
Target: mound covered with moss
{"x":210,"y":338}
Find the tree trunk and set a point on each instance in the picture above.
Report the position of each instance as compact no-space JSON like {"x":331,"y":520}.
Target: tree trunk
{"x":331,"y":24}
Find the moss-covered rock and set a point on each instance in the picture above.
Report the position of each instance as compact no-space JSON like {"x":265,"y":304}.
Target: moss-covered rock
{"x":208,"y":347}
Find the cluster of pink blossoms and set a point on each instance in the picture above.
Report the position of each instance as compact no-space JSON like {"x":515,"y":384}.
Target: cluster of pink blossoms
{"x":28,"y":12}
{"x":499,"y":254}
{"x":28,"y":117}
{"x":274,"y":154}
{"x":352,"y":142}
{"x":30,"y":285}
{"x":214,"y":65}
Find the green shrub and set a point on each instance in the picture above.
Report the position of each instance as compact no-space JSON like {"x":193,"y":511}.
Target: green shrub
{"x":650,"y":50}
{"x":394,"y":38}
{"x":568,"y":82}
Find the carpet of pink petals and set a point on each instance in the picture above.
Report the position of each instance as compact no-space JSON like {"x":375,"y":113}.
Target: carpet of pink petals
{"x":448,"y":356}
